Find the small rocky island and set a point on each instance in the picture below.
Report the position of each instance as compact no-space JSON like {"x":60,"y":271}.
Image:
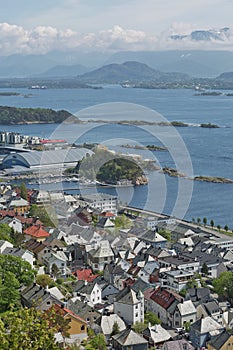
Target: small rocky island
{"x":172,"y":172}
{"x":213,"y":179}
{"x":148,"y":147}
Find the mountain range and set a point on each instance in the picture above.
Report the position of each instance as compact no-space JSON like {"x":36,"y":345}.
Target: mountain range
{"x":195,"y":63}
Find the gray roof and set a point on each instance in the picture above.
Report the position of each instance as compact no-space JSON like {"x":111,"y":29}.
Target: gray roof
{"x":212,"y":307}
{"x":177,"y":345}
{"x":203,"y":257}
{"x":152,"y":236}
{"x":186,"y":308}
{"x":219,"y":340}
{"x":15,"y":252}
{"x":107,"y":322}
{"x":206,"y":325}
{"x":127,"y":296}
{"x":36,"y":158}
{"x":83,"y":310}
{"x":129,"y":337}
{"x":157,"y":333}
{"x":199,"y":294}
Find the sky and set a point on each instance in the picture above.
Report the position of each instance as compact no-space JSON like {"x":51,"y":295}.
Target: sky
{"x":32,"y":26}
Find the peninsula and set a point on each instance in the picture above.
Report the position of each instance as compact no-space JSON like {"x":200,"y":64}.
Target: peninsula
{"x":14,"y":115}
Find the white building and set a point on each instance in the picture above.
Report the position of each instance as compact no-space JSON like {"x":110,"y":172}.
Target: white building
{"x":102,"y":201}
{"x":129,"y":305}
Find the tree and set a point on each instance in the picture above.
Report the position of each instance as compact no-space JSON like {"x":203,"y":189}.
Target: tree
{"x":198,"y":221}
{"x":122,"y":221}
{"x":226,"y":228}
{"x":44,"y":280}
{"x":26,"y":329}
{"x":152,"y":318}
{"x":45,"y":214}
{"x":219,"y":227}
{"x":192,"y":283}
{"x":166,"y":234}
{"x":212,"y":223}
{"x":187,"y":326}
{"x":23,"y":191}
{"x":9,"y":291}
{"x":115,"y":328}
{"x":205,"y":269}
{"x":223,"y":285}
{"x":57,"y":322}
{"x":14,"y":272}
{"x":22,"y":270}
{"x":204,"y":221}
{"x":6,"y":233}
{"x":55,"y":270}
{"x":99,"y":342}
{"x":139,"y":327}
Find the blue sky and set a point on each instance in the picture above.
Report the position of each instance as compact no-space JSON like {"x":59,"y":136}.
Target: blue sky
{"x":94,"y":15}
{"x":84,"y":23}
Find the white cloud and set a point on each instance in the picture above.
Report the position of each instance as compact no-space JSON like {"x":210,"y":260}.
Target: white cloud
{"x":42,"y":39}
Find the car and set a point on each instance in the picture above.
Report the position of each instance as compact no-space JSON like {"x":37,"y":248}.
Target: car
{"x":179,"y":330}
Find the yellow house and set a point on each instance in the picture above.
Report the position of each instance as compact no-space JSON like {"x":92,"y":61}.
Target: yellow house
{"x":78,"y":326}
{"x":20,"y":206}
{"x":222,"y":341}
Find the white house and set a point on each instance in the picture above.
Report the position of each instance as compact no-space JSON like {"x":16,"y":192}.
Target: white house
{"x":185,"y":312}
{"x":92,"y":292}
{"x":16,"y":225}
{"x":129,"y":305}
{"x":4,"y":245}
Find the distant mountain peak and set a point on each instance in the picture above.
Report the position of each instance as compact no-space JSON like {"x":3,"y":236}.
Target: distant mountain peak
{"x":132,"y":71}
{"x":204,"y":35}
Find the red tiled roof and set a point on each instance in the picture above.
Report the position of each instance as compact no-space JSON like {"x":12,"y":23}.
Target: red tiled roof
{"x":85,"y":275}
{"x":148,"y":293}
{"x":107,"y":214}
{"x":10,"y":213}
{"x":129,"y":282}
{"x":162,"y":297}
{"x":36,"y":231}
{"x":134,"y":270}
{"x":23,"y":219}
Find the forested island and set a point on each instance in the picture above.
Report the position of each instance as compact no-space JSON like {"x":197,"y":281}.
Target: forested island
{"x":113,"y":168}
{"x":14,"y":115}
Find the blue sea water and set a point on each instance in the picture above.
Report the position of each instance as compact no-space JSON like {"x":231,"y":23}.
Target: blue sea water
{"x":210,"y":150}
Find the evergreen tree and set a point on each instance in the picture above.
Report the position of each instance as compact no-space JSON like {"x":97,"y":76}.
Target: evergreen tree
{"x":204,"y":269}
{"x":115,"y":328}
{"x":55,"y":270}
{"x":212,"y":223}
{"x":204,"y":221}
{"x":23,"y":191}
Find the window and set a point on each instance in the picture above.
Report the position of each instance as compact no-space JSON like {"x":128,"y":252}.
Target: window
{"x":82,"y":328}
